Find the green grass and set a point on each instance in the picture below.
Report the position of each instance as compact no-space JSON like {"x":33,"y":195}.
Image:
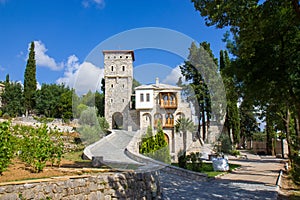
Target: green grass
{"x":74,"y":156}
{"x":207,"y":168}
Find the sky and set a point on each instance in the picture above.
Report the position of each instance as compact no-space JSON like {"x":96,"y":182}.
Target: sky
{"x":70,"y":35}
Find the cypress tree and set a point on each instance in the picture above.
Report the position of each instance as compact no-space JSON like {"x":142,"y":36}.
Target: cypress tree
{"x":30,"y":81}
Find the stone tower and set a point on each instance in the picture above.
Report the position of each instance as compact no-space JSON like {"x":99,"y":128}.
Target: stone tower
{"x":118,"y":75}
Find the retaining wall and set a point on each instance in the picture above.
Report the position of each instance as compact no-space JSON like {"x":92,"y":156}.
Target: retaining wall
{"x":104,"y":186}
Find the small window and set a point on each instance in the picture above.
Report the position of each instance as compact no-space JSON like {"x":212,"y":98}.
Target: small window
{"x":111,"y":100}
{"x":123,"y":100}
{"x":123,"y":68}
{"x":123,"y":86}
{"x":108,"y":57}
{"x":120,"y":56}
{"x":112,"y":68}
{"x":148,"y":97}
{"x":142,"y":97}
{"x":114,"y":56}
{"x":112,"y":85}
{"x":126,"y":57}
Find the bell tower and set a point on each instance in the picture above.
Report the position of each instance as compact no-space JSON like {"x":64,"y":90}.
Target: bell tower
{"x":118,"y":76}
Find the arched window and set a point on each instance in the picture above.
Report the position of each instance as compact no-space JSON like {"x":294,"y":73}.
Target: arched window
{"x":157,"y":119}
{"x":112,"y":68}
{"x":123,"y":68}
{"x":169,"y":120}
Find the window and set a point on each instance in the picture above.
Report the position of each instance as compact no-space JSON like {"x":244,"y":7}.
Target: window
{"x":111,"y":100}
{"x":112,"y":85}
{"x":123,"y":100}
{"x":126,"y":56}
{"x":123,"y":86}
{"x":148,"y":97}
{"x":112,"y":68}
{"x":108,"y":57}
{"x":142,"y":97}
{"x":120,"y":56}
{"x":123,"y":68}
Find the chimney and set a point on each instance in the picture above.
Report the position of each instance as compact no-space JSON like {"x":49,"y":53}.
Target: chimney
{"x":157,"y":81}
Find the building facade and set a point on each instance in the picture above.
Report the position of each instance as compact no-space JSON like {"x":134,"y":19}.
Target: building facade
{"x":154,"y":103}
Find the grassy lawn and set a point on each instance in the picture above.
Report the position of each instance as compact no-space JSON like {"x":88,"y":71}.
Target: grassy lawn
{"x":207,"y":168}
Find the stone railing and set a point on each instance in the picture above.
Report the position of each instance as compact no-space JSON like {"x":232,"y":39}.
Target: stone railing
{"x":121,"y":185}
{"x":132,"y":151}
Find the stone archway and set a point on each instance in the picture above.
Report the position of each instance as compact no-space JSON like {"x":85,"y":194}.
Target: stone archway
{"x":146,"y":120}
{"x":117,"y":121}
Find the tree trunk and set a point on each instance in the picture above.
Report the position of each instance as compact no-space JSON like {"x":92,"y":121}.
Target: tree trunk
{"x":286,"y":122}
{"x":269,"y":135}
{"x":184,"y":141}
{"x":203,"y":125}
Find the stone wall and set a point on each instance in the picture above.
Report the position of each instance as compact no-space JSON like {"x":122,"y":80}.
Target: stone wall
{"x":105,"y":186}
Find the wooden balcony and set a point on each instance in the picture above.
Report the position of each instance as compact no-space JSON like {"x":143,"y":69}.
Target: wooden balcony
{"x":168,"y":100}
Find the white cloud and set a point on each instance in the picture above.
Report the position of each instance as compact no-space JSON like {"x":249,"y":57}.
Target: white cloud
{"x":38,"y":85}
{"x":44,"y":60}
{"x":82,"y":77}
{"x":173,"y":77}
{"x":98,"y":3}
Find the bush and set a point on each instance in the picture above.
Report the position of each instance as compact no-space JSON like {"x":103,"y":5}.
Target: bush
{"x":90,"y":134}
{"x":235,"y":152}
{"x":156,"y":146}
{"x":7,"y":145}
{"x":39,"y":145}
{"x":226,"y":146}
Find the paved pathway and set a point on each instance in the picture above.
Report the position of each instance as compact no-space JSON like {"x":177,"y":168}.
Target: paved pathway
{"x":112,"y":148}
{"x":255,"y":180}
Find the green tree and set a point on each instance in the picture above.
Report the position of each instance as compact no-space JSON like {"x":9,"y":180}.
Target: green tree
{"x":30,"y":81}
{"x":54,"y":100}
{"x":155,"y":147}
{"x":264,"y":40}
{"x":205,"y":87}
{"x":184,"y":125}
{"x":12,"y":99}
{"x":232,"y":120}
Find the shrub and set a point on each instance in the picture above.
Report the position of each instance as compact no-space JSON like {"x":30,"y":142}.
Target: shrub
{"x":39,"y":145}
{"x":6,"y":146}
{"x":235,"y":152}
{"x":156,"y":146}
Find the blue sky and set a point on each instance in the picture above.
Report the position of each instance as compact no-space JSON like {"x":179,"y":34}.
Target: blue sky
{"x":67,"y":31}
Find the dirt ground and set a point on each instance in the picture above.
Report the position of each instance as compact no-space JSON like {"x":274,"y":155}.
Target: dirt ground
{"x":19,"y":171}
{"x":288,"y":190}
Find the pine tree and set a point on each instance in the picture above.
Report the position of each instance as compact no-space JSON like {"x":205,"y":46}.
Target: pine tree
{"x":30,"y":81}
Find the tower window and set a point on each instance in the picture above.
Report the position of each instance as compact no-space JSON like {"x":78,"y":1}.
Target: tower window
{"x":142,"y":97}
{"x":123,"y":100}
{"x":112,"y":85}
{"x":112,"y":68}
{"x":120,"y":56}
{"x":126,"y":57}
{"x":123,"y":68}
{"x":123,"y":86}
{"x":108,"y":57}
{"x":148,"y":97}
{"x":111,"y":100}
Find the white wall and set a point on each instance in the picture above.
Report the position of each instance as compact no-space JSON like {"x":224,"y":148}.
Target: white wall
{"x":139,"y":104}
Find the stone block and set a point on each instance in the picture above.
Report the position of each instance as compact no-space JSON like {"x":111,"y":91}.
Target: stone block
{"x":12,"y":196}
{"x":97,"y":161}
